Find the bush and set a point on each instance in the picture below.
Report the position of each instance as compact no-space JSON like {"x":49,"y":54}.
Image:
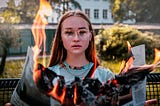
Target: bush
{"x":111,"y":43}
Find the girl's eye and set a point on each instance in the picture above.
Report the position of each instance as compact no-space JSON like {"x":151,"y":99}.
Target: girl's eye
{"x":82,"y":32}
{"x":69,"y":33}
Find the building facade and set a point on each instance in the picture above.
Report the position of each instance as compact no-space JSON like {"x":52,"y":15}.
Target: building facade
{"x":98,"y":11}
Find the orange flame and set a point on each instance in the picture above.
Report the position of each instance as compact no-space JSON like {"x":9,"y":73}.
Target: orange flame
{"x":157,"y":57}
{"x":129,"y":47}
{"x":127,"y":64}
{"x":40,"y":22}
{"x":75,"y":95}
{"x":38,"y":31}
{"x":122,"y":65}
{"x":54,"y":94}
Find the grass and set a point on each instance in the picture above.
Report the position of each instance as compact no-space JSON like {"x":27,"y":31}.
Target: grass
{"x":114,"y":66}
{"x":14,"y":68}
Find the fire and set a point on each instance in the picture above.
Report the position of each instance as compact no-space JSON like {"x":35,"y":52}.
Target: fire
{"x":126,"y":65}
{"x":75,"y":94}
{"x":129,"y":62}
{"x":157,"y":57}
{"x":38,"y":31}
{"x":129,"y":47}
{"x":54,"y":92}
{"x":40,"y":22}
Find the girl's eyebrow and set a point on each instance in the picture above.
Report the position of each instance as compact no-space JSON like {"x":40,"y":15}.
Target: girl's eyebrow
{"x":78,"y":28}
{"x":82,"y":28}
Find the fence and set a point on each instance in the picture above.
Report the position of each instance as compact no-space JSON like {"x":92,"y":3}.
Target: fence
{"x":6,"y":89}
{"x":152,"y":88}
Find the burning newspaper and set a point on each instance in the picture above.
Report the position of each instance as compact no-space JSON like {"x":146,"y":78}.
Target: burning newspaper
{"x":139,"y":89}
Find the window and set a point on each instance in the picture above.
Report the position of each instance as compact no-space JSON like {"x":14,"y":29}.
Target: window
{"x":104,"y":13}
{"x":96,"y":13}
{"x":87,"y":12}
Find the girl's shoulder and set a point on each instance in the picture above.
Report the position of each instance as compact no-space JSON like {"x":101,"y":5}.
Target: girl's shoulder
{"x":55,"y":68}
{"x":103,"y":70}
{"x":103,"y":74}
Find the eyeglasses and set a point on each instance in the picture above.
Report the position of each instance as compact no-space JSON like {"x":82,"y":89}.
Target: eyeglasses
{"x":81,"y":33}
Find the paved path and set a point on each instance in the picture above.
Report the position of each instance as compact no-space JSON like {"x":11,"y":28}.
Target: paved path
{"x":15,"y":58}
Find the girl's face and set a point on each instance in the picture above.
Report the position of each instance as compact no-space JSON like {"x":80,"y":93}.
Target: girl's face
{"x":75,"y":35}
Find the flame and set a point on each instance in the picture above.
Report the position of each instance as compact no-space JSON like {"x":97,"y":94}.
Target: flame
{"x":54,"y":94}
{"x":122,"y":65}
{"x":129,"y":47}
{"x":36,"y":73}
{"x":38,"y":31}
{"x":157,"y":57}
{"x":129,"y":62}
{"x":40,"y":22}
{"x":75,"y":95}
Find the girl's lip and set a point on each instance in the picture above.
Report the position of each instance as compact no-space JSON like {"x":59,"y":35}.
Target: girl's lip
{"x":76,"y":46}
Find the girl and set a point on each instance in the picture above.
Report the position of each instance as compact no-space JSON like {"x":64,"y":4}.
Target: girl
{"x":73,"y":52}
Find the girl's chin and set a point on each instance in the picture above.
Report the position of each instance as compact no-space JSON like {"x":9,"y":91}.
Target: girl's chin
{"x":77,"y":52}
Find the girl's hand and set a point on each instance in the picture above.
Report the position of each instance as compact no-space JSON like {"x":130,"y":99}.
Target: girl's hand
{"x":150,"y":102}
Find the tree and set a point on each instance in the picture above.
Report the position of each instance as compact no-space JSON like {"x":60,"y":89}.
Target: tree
{"x":146,"y":10}
{"x":9,"y":37}
{"x":61,"y":6}
{"x":22,"y":13}
{"x":141,"y":10}
{"x":27,"y":10}
{"x":10,"y":13}
{"x":111,"y":43}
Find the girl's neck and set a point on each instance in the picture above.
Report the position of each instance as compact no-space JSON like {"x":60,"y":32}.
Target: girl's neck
{"x":76,"y":60}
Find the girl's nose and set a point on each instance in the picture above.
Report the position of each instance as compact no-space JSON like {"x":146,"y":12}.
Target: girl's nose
{"x":76,"y":37}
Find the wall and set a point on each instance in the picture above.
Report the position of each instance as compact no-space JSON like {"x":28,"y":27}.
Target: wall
{"x":27,"y":40}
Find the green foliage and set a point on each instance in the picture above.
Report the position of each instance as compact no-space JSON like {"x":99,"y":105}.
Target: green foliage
{"x":14,"y":68}
{"x":111,"y":43}
{"x":121,"y":11}
{"x":9,"y":36}
{"x":10,"y":14}
{"x":27,"y":10}
{"x":141,"y":10}
{"x":22,"y":13}
{"x":114,"y":66}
